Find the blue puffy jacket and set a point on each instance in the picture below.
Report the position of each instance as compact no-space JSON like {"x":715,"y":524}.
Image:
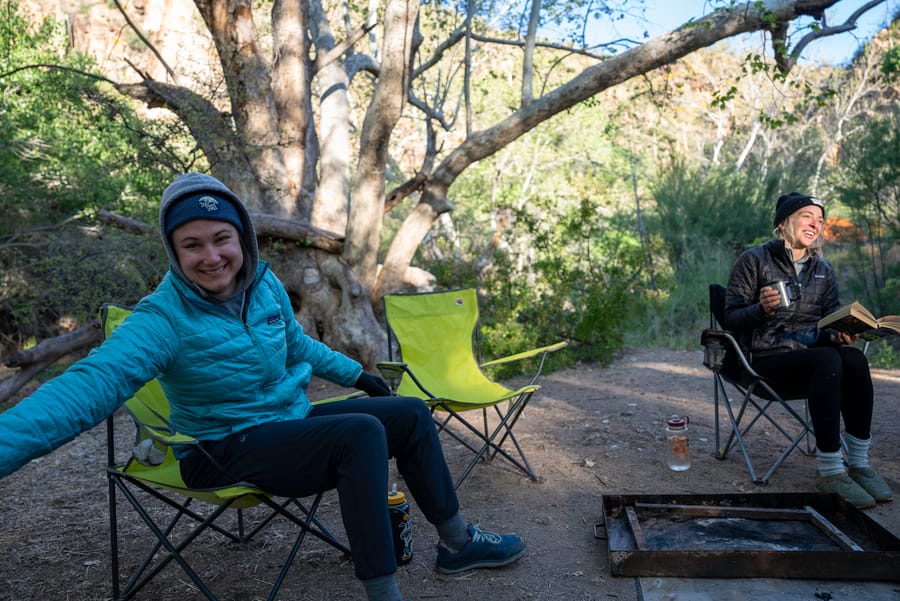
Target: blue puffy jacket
{"x":223,"y":370}
{"x":221,"y":374}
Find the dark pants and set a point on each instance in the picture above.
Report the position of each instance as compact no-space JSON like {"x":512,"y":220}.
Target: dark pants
{"x":343,"y":445}
{"x":836,"y":382}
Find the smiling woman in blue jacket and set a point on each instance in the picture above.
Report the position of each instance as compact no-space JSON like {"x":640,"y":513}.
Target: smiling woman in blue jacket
{"x":219,"y":334}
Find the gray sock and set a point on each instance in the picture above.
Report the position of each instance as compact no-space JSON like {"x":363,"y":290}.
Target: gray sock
{"x":454,"y":533}
{"x":829,"y":463}
{"x":857,"y":450}
{"x":382,"y":588}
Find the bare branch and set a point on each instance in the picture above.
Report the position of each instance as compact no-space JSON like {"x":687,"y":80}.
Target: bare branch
{"x":53,"y":348}
{"x":147,"y":43}
{"x":335,"y":53}
{"x":126,"y":223}
{"x":265,"y":225}
{"x":57,"y":68}
{"x":825,"y":31}
{"x":304,"y":233}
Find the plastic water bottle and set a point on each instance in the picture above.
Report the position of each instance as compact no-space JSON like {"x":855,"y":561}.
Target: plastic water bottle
{"x":678,"y":449}
{"x":398,"y":508}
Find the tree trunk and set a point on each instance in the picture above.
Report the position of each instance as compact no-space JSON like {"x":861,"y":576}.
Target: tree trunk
{"x":330,"y":303}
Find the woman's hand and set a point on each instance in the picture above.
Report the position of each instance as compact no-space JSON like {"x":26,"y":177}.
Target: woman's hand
{"x":769,"y":299}
{"x":842,"y":338}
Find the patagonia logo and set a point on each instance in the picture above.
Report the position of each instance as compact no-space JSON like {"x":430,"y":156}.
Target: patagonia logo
{"x":819,"y":276}
{"x":273,"y":319}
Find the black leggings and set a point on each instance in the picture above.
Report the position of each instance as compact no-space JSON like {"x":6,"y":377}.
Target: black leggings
{"x":344,"y":445}
{"x":836,"y":382}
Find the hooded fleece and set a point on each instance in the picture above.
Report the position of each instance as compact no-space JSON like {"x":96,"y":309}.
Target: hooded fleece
{"x":222,"y":371}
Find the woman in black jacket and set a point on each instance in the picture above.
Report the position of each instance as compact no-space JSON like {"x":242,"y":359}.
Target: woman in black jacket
{"x":784,"y":343}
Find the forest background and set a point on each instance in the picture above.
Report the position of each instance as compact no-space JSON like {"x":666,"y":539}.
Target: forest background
{"x":603,"y":225}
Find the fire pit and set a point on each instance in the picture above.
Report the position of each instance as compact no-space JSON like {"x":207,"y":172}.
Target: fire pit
{"x":793,"y":535}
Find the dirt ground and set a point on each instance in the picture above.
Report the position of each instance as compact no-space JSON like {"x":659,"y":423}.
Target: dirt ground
{"x":590,"y":431}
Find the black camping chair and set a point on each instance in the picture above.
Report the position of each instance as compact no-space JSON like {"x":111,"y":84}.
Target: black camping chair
{"x":755,"y":400}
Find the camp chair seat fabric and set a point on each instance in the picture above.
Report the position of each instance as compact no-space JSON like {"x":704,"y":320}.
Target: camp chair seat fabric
{"x":437,"y":361}
{"x":162,"y":484}
{"x":756,"y":401}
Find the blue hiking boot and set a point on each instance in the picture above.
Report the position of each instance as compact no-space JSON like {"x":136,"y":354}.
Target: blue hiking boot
{"x":484,"y":550}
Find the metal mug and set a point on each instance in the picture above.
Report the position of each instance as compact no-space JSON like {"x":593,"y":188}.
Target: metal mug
{"x":781,"y":287}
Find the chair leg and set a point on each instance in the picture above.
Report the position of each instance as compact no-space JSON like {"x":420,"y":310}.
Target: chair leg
{"x":490,"y":443}
{"x":739,"y":428}
{"x":137,"y":582}
{"x":113,"y":536}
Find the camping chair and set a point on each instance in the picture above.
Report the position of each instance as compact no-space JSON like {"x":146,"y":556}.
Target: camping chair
{"x":436,"y":335}
{"x":139,"y":479}
{"x":757,"y":398}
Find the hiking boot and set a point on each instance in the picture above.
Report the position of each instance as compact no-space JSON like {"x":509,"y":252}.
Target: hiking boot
{"x":483,"y":550}
{"x":872,"y":483}
{"x":847,"y":488}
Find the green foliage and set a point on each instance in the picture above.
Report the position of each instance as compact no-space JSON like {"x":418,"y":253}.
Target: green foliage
{"x":868,"y":185}
{"x":697,"y":209}
{"x":71,"y":146}
{"x":672,"y":314}
{"x":884,"y":354}
{"x":890,"y":65}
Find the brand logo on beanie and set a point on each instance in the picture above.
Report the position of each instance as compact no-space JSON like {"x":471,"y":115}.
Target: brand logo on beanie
{"x":208,"y":203}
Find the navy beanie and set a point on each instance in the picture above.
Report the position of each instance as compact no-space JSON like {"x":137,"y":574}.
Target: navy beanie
{"x":205,"y":205}
{"x":788,"y":204}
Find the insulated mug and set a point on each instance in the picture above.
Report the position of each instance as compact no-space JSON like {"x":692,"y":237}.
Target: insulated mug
{"x":782,"y":293}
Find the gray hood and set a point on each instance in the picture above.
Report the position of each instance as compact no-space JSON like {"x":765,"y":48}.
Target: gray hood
{"x":193,"y":183}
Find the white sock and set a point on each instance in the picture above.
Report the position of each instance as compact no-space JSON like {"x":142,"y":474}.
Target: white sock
{"x":829,"y":463}
{"x":857,"y":450}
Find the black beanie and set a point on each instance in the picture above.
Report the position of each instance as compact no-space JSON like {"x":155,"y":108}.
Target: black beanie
{"x":788,"y":204}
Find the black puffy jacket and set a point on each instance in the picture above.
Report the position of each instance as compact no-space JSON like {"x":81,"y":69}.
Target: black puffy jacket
{"x":789,"y":328}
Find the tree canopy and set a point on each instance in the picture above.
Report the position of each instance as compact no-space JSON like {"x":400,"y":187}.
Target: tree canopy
{"x":308,"y":110}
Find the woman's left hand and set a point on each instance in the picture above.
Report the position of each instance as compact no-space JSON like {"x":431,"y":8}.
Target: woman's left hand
{"x":842,"y":338}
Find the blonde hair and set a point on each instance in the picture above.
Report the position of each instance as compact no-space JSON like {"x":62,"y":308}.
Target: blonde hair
{"x":785,"y":231}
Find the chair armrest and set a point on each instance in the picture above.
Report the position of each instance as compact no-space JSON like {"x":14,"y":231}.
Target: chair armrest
{"x":526,"y":354}
{"x":166,"y":437}
{"x":392,"y":371}
{"x":336,"y":399}
{"x":710,"y":337}
{"x":543,"y":351}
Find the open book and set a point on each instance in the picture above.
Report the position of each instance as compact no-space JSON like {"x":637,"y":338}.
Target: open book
{"x":856,"y":319}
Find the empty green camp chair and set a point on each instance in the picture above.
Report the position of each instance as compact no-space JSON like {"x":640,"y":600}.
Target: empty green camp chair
{"x":438,"y":362}
{"x":142,"y":481}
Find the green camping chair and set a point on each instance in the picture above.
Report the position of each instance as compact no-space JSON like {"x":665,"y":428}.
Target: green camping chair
{"x":155,"y":474}
{"x":436,"y":335}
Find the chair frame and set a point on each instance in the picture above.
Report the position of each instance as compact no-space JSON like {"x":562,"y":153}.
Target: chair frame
{"x":755,"y":391}
{"x":489,"y":441}
{"x":137,"y":485}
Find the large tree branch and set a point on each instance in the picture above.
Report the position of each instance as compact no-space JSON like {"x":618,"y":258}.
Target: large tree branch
{"x":663,"y":50}
{"x":385,"y":109}
{"x":34,"y":360}
{"x":265,"y":225}
{"x":827,"y":30}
